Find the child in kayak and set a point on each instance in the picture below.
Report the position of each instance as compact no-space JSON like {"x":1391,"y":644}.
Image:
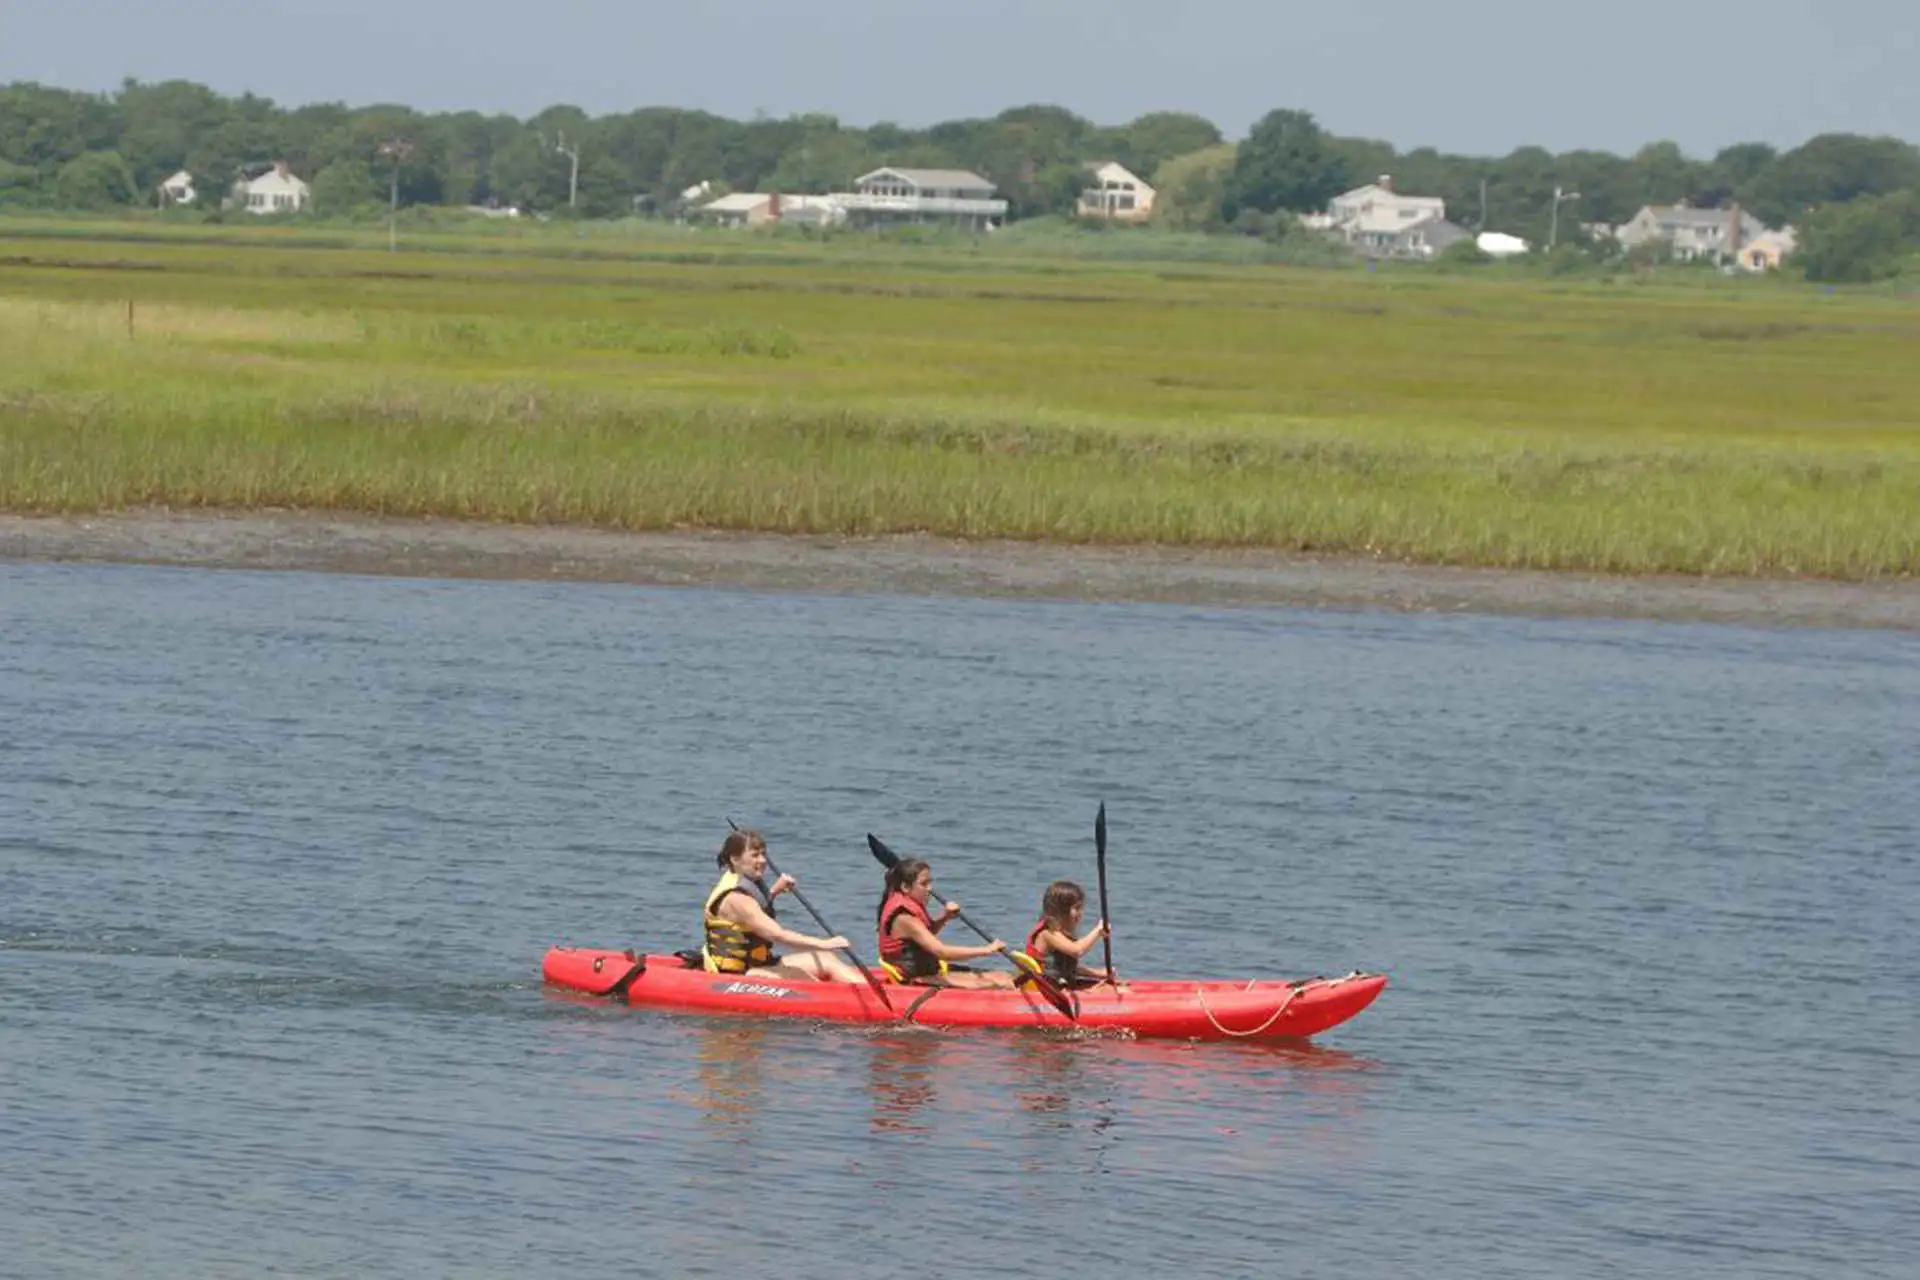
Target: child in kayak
{"x":1053,"y":943}
{"x":910,"y":945}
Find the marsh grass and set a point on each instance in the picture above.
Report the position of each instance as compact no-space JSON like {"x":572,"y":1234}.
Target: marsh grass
{"x":1684,"y":429}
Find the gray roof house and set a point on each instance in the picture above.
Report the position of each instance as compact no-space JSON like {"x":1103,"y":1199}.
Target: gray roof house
{"x":1387,"y":235}
{"x":952,"y":196}
{"x":1693,"y":233}
{"x":1380,"y":222}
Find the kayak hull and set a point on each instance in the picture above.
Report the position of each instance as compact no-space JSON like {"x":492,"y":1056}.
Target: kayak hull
{"x":1258,"y":1010}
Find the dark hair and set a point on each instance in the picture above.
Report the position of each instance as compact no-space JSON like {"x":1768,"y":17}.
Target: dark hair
{"x":899,"y":876}
{"x":738,"y":842}
{"x":1061,"y":897}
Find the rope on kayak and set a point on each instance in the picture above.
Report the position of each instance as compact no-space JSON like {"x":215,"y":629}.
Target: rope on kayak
{"x":1272,"y":1018}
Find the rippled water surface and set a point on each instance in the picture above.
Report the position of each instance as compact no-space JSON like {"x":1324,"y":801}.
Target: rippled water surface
{"x":279,"y":855}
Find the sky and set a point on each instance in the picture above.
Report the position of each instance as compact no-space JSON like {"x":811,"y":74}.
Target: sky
{"x":1481,"y":78}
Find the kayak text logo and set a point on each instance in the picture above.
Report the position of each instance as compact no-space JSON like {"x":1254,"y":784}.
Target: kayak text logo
{"x":757,"y":989}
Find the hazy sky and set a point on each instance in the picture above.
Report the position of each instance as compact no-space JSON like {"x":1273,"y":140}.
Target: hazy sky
{"x":1484,"y":76}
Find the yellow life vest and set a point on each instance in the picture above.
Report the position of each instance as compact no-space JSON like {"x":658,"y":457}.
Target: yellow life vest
{"x":730,"y":948}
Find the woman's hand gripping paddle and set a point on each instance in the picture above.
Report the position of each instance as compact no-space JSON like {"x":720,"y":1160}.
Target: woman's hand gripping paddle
{"x":1021,"y":960}
{"x":878,"y":988}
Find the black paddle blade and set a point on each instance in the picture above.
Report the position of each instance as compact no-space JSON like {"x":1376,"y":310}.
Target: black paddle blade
{"x":878,"y":848}
{"x":1052,"y":993}
{"x":1100,"y":866}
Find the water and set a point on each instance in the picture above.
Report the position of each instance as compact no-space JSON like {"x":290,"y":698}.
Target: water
{"x":279,"y":855}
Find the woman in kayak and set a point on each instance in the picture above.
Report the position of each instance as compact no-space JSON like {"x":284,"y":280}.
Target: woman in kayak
{"x":1053,"y":943}
{"x":910,"y":945}
{"x":742,"y":930}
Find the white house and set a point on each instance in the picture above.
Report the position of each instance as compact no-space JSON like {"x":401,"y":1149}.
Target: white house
{"x":275,"y":191}
{"x":1380,"y":207}
{"x":1117,"y":195}
{"x":953,"y":196}
{"x":813,"y":211}
{"x":1384,"y":234}
{"x":178,"y":189}
{"x":1382,"y":223}
{"x":1693,"y":233}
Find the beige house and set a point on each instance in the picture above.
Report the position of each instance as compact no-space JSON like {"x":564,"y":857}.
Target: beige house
{"x":1766,"y":251}
{"x":1116,"y":195}
{"x":741,"y":209}
{"x":1719,"y":234}
{"x":764,"y":208}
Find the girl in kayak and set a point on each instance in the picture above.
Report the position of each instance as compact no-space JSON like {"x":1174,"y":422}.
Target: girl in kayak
{"x":910,"y":945}
{"x":1053,"y":943}
{"x":742,"y":930}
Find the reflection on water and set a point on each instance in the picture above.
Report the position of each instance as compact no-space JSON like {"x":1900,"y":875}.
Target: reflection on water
{"x":902,"y":1076}
{"x":729,"y":1055}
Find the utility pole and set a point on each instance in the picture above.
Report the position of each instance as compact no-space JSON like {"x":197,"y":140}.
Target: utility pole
{"x":573,"y":179}
{"x":396,"y":150}
{"x":1483,"y":204}
{"x":1553,"y":229}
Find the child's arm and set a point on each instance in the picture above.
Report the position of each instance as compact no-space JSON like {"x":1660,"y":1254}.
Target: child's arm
{"x":1077,"y":947}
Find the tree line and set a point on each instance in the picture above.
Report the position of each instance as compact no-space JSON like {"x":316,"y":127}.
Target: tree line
{"x":63,"y":149}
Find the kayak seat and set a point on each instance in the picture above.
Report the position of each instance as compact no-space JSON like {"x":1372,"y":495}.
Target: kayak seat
{"x":690,"y":959}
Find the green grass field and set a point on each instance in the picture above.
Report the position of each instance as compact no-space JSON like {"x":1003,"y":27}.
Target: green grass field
{"x":651,"y":379}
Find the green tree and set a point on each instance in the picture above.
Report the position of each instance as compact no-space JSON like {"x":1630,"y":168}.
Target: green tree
{"x":823,"y":160}
{"x":1609,"y":188}
{"x":162,"y":123}
{"x":1285,"y":163}
{"x":1733,"y":171}
{"x":1368,"y":159}
{"x":344,"y":187}
{"x":1868,"y":239}
{"x":19,"y":184}
{"x":1664,"y":175}
{"x":1830,"y":169}
{"x":1193,"y":187}
{"x":1159,"y":136}
{"x":95,"y":180}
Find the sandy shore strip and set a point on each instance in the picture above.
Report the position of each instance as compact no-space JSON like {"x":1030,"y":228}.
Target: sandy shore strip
{"x":909,"y":565}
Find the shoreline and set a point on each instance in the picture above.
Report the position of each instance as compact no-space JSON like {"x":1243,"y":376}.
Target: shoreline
{"x":923,"y":565}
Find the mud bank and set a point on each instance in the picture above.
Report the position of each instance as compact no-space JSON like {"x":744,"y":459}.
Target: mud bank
{"x":931,"y":566}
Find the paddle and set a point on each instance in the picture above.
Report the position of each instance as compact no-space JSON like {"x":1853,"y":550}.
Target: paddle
{"x":1021,"y":960}
{"x":879,"y":988}
{"x":1100,"y":866}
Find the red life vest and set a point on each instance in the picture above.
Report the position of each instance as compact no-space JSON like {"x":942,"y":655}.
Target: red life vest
{"x":1062,"y":968}
{"x":909,"y":957}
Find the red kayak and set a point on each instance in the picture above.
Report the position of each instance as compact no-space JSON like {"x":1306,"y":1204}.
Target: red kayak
{"x":1266,"y":1010}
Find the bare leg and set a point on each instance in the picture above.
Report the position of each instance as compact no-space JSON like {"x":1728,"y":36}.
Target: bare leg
{"x":980,"y":979}
{"x":828,"y":966}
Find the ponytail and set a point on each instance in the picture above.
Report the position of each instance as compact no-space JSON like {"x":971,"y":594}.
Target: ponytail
{"x":899,"y":876}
